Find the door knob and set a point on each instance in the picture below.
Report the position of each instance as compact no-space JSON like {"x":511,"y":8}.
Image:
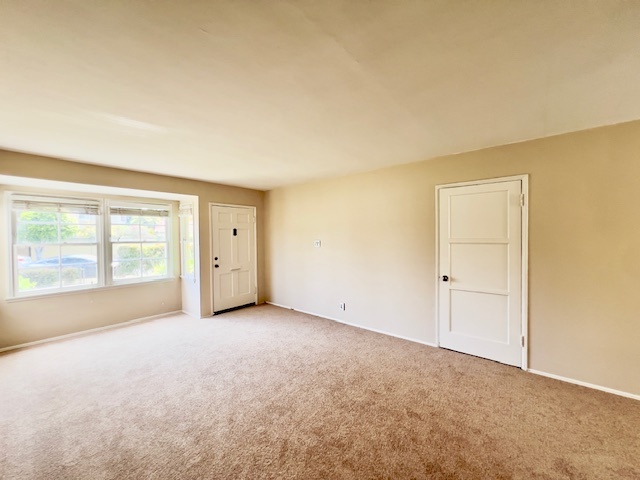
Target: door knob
{"x":445,"y":278}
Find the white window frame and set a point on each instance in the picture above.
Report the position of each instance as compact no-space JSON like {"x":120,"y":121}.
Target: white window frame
{"x":103,"y":234}
{"x":55,"y":202}
{"x":142,"y":206}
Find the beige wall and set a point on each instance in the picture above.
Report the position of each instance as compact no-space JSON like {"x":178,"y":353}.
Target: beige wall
{"x":29,"y":320}
{"x":378,"y":247}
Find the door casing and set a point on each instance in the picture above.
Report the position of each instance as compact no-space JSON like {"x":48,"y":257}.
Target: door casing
{"x":524,"y":179}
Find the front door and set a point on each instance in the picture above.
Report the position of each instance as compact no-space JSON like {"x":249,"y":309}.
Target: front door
{"x":480,"y":270}
{"x":233,"y":256}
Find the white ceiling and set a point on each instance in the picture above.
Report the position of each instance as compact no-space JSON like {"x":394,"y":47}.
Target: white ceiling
{"x":261,"y":93}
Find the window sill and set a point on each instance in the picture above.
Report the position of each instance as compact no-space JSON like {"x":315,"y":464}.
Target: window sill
{"x":85,"y":290}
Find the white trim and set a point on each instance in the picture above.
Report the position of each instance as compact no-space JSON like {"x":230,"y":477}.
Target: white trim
{"x":524,"y":301}
{"x":90,"y":331}
{"x":383,"y":332}
{"x":586,"y":384}
{"x":483,"y":181}
{"x":255,"y":248}
{"x":436,"y":285}
{"x":524,"y":183}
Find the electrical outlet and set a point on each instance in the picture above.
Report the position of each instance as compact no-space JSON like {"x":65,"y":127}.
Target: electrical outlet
{"x":343,"y":306}
{"x":317,"y":243}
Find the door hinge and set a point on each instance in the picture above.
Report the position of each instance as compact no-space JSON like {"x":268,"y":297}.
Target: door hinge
{"x":522,"y":341}
{"x":522,"y":199}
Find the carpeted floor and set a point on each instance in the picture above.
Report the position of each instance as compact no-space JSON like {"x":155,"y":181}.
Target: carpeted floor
{"x":271,"y":393}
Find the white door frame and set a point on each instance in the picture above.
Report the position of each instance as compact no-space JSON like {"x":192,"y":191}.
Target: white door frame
{"x":255,"y":248}
{"x":525,"y":255}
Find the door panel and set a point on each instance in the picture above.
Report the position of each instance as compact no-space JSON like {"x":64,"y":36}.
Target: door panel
{"x":233,"y":234}
{"x":481,"y":316}
{"x":244,"y":244}
{"x":480,"y":245}
{"x":244,"y":283}
{"x":479,"y":215}
{"x":480,"y":266}
{"x":225,"y":281}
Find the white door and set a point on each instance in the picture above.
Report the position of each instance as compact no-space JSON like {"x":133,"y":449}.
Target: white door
{"x":480,"y":270}
{"x":233,"y":256}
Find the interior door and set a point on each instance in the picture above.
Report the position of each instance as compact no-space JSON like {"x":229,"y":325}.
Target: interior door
{"x":233,"y":257}
{"x":480,"y":270}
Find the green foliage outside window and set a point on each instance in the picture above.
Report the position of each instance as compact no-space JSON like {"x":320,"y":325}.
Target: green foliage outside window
{"x":42,"y":228}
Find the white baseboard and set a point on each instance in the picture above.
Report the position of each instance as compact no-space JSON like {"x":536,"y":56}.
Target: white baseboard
{"x":536,"y":372}
{"x":383,"y":332}
{"x":86,"y":332}
{"x":585,"y":384}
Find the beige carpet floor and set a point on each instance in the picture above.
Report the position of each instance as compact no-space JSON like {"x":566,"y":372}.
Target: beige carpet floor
{"x":271,"y":393}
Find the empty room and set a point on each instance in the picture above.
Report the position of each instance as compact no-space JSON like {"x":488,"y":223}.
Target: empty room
{"x":359,"y":239}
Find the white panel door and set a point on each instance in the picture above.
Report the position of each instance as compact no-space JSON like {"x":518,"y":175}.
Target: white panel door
{"x":480,"y":270}
{"x":233,"y":257}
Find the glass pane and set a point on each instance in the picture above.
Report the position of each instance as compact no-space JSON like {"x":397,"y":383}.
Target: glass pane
{"x":125,"y":220}
{"x":126,"y":270}
{"x":24,"y":255}
{"x":37,"y":233}
{"x":189,"y":230}
{"x":189,"y":259}
{"x":154,"y":228}
{"x":154,"y":250}
{"x":78,"y":233}
{"x":126,"y":251}
{"x":154,"y":268}
{"x":38,"y":278}
{"x":79,"y":265}
{"x":80,"y":275}
{"x":78,"y":219}
{"x":38,"y":217}
{"x":120,"y":233}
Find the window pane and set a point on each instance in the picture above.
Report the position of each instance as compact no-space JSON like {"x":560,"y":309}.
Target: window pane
{"x":37,"y":232}
{"x":79,"y":265}
{"x":125,"y":220}
{"x":37,"y":216}
{"x":189,"y":230}
{"x":154,"y":250}
{"x":79,"y":233}
{"x":78,"y":218}
{"x":189,"y":258}
{"x":126,"y":251}
{"x":154,"y":268}
{"x":37,"y":278}
{"x":126,"y":270}
{"x":125,"y":233}
{"x":154,"y":228}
